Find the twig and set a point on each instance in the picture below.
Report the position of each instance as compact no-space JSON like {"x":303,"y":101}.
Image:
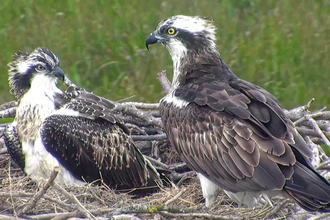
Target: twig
{"x":307,"y":118}
{"x":141,"y":105}
{"x":8,"y":105}
{"x":296,"y":113}
{"x":74,"y":199}
{"x":17,"y":194}
{"x":323,"y":165}
{"x":39,"y":194}
{"x":198,"y":215}
{"x":140,"y":114}
{"x":156,"y":137}
{"x":10,"y":217}
{"x":175,"y":197}
{"x":276,"y":209}
{"x":164,"y":82}
{"x":319,"y":132}
{"x":65,"y":215}
{"x":8,"y":113}
{"x":49,"y":215}
{"x":319,"y":217}
{"x":157,"y":163}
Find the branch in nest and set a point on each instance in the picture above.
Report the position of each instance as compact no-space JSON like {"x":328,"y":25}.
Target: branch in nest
{"x":164,"y":82}
{"x":156,"y":137}
{"x":10,"y":217}
{"x":297,"y":113}
{"x":8,"y":105}
{"x":124,"y":109}
{"x":39,"y":194}
{"x":8,"y":113}
{"x":198,"y":215}
{"x":74,"y":200}
{"x":141,"y":105}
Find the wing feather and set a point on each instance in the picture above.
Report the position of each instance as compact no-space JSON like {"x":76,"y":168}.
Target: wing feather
{"x":232,"y":133}
{"x":96,"y":150}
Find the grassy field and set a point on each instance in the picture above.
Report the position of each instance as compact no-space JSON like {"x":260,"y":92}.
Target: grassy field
{"x":283,"y":46}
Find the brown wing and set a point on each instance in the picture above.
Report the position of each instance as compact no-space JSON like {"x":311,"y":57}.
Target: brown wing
{"x":96,"y":145}
{"x":234,"y":133}
{"x":225,"y":150}
{"x":90,"y":105}
{"x":97,"y":150}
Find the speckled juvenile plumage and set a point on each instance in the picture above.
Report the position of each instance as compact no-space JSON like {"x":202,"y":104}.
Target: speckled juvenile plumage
{"x":232,"y":132}
{"x":75,"y":130}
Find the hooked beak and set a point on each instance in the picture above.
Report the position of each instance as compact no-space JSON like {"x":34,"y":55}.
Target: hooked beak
{"x":59,"y":73}
{"x":152,"y":39}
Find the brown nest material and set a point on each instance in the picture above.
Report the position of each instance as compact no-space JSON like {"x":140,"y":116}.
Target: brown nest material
{"x":20,"y":196}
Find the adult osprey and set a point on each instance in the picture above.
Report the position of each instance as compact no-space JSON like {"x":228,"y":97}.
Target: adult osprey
{"x":74,"y":130}
{"x":232,"y":132}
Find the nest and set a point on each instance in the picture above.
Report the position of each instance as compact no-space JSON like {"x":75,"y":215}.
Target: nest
{"x":20,"y":198}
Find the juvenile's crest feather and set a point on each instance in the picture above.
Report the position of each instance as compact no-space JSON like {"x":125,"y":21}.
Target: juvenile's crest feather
{"x":22,"y":65}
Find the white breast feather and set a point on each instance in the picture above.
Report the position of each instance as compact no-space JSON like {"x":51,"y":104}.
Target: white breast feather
{"x":39,"y":163}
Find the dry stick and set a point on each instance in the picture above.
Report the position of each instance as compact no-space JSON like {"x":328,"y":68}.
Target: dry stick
{"x":140,"y":114}
{"x":18,"y":194}
{"x":157,"y":162}
{"x":155,"y":137}
{"x":307,"y":117}
{"x":175,"y":197}
{"x":39,"y":194}
{"x":65,"y":215}
{"x":74,"y":199}
{"x":319,"y":132}
{"x":8,"y":113}
{"x":276,"y":209}
{"x":8,"y":105}
{"x":319,"y":217}
{"x":10,"y":217}
{"x":136,"y":128}
{"x":164,"y":82}
{"x":297,"y":113}
{"x":322,"y":165}
{"x":141,"y":105}
{"x":48,"y":215}
{"x":198,"y":215}
{"x":54,"y":215}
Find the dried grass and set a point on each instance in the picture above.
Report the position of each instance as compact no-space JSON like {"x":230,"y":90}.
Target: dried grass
{"x":184,"y":202}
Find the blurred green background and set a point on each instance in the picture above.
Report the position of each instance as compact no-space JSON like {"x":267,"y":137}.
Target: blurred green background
{"x":281,"y":45}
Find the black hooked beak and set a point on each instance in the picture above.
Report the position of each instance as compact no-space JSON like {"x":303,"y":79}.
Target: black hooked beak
{"x":59,"y":73}
{"x":152,"y":39}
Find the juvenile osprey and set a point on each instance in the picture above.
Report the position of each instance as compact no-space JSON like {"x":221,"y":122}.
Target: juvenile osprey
{"x":74,"y":130}
{"x":232,"y":132}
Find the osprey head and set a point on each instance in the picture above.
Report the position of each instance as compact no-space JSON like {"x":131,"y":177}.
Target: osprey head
{"x":25,"y":67}
{"x":183,"y":34}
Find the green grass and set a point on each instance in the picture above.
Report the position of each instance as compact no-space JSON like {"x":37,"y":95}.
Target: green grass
{"x":283,"y":46}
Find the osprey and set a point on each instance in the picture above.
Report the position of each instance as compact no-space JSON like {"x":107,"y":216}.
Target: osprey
{"x":232,"y":132}
{"x":75,"y":130}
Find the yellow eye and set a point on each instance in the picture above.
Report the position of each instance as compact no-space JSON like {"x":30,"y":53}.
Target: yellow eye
{"x":41,"y":67}
{"x":171,"y":31}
